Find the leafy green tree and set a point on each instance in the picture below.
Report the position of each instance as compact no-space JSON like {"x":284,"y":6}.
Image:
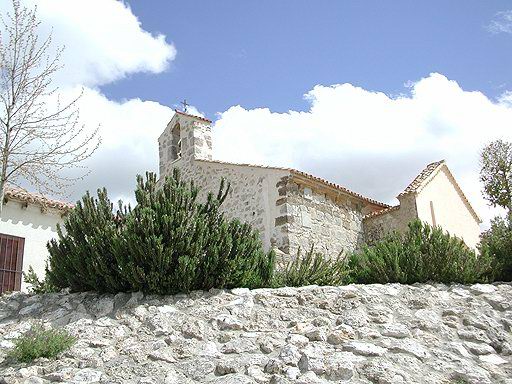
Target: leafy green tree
{"x":497,"y":243}
{"x":168,"y":243}
{"x":496,"y":174}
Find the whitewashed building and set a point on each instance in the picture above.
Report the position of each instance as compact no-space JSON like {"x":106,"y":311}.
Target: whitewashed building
{"x":27,"y":223}
{"x":292,"y":209}
{"x":434,"y":197}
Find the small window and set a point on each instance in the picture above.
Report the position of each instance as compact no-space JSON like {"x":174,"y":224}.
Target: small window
{"x":178,"y":149}
{"x":433,"y":214}
{"x":176,"y":143}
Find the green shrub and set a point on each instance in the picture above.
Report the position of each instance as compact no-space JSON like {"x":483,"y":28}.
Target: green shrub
{"x":40,"y":342}
{"x":497,"y":243}
{"x":421,"y":254}
{"x":314,"y":268}
{"x":37,"y":286}
{"x":168,"y":243}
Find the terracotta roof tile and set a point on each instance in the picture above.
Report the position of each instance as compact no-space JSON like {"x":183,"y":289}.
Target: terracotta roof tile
{"x":422,"y":177}
{"x":338,"y":187}
{"x":189,"y":115}
{"x":24,"y":196}
{"x":381,"y":212}
{"x":307,"y":176}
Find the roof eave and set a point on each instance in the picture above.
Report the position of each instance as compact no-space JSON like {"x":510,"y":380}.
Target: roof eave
{"x":337,"y":188}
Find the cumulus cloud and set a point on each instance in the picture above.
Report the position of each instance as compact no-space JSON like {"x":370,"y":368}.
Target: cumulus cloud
{"x":104,"y":41}
{"x":369,"y":141}
{"x":129,"y":132}
{"x":502,"y":23}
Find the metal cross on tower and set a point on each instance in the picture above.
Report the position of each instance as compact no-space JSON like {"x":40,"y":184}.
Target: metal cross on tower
{"x":185,"y":105}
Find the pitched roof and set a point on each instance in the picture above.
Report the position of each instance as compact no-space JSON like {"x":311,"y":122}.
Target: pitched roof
{"x":23,"y":196}
{"x":189,"y":115}
{"x":427,"y":174}
{"x":338,"y":187}
{"x":381,"y":212}
{"x":422,"y":178}
{"x":308,"y":176}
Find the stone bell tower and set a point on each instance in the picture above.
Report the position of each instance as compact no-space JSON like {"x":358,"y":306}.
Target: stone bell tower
{"x":185,"y":139}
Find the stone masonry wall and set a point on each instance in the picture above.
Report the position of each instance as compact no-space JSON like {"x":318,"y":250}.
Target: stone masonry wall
{"x":377,"y":227}
{"x":253,"y":193}
{"x":358,"y":334}
{"x":196,"y":143}
{"x":309,"y":217}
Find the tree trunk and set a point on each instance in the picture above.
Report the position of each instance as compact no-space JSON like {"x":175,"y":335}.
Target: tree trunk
{"x":2,"y":196}
{"x":3,"y":172}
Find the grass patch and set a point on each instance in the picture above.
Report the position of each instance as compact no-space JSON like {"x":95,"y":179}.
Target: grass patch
{"x":40,"y":342}
{"x":313,"y":268}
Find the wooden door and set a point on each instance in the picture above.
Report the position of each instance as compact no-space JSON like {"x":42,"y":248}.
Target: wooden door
{"x":11,"y":262}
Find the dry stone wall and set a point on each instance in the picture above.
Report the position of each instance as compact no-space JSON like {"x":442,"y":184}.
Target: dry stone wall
{"x":353,"y":334}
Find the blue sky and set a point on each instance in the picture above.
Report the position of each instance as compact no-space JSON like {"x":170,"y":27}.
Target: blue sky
{"x":269,"y":53}
{"x":362,"y":93}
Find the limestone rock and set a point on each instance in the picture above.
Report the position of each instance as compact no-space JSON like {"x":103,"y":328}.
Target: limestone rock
{"x":364,"y":349}
{"x":356,"y":334}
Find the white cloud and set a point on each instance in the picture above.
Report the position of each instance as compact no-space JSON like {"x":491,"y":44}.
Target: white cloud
{"x":502,"y":23}
{"x":368,"y":141}
{"x":104,"y":41}
{"x":129,"y":130}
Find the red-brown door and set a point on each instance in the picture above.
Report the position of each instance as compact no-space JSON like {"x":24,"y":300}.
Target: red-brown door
{"x":11,"y":262}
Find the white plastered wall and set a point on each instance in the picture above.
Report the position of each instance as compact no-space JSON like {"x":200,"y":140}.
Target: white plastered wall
{"x":439,"y":203}
{"x":36,"y":227}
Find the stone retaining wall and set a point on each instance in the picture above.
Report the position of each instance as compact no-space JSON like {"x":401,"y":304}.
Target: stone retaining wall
{"x":352,"y":334}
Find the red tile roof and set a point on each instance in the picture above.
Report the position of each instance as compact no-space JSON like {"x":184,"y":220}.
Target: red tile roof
{"x":24,"y":196}
{"x":381,"y":212}
{"x":427,"y":174}
{"x":307,"y":176}
{"x":338,"y":187}
{"x":422,"y":177}
{"x":189,"y":115}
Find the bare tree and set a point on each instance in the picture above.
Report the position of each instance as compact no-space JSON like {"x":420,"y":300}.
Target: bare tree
{"x":41,"y":137}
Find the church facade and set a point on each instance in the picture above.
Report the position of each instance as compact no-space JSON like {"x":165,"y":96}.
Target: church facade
{"x":292,"y":209}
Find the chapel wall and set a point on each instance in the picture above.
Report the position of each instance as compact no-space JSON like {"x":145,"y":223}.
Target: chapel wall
{"x":440,"y":203}
{"x":251,"y":198}
{"x":376,"y":227}
{"x":310,"y":216}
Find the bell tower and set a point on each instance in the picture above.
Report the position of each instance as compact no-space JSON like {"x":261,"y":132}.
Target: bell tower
{"x":185,"y":139}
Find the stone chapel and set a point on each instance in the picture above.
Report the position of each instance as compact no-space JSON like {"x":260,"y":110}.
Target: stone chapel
{"x":292,"y":209}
